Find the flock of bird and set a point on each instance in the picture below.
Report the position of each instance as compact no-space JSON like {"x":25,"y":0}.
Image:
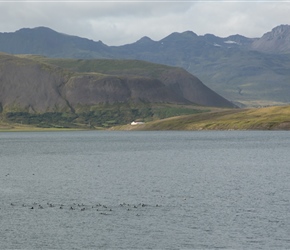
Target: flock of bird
{"x":103,"y":209}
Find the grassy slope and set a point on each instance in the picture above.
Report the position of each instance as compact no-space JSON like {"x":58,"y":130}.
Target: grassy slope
{"x":270,"y":118}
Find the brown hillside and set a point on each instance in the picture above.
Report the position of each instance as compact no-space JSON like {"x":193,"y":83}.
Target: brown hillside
{"x":31,"y":86}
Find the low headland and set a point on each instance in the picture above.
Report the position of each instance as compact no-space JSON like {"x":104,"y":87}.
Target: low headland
{"x":202,"y":118}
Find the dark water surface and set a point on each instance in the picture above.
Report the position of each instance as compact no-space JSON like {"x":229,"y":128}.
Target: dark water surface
{"x":145,"y":190}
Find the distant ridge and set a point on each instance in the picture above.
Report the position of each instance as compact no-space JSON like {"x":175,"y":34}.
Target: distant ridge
{"x":47,"y":42}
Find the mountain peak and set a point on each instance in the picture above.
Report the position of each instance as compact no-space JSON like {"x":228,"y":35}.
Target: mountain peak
{"x":145,"y":39}
{"x":36,"y":29}
{"x":176,"y":36}
{"x":279,"y":32}
{"x":277,"y":40}
{"x":188,"y":34}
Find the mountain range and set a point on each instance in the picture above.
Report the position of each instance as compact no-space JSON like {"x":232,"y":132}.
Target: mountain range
{"x":248,"y":71}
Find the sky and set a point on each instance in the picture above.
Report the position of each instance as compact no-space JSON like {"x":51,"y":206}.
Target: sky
{"x":122,"y":22}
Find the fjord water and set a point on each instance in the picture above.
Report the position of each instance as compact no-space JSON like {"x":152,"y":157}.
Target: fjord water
{"x":145,"y":190}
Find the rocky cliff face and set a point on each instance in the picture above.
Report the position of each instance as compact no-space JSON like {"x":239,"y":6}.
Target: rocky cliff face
{"x":90,"y":90}
{"x":27,"y":85}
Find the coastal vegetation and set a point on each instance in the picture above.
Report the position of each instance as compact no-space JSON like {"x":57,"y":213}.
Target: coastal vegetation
{"x":100,"y":116}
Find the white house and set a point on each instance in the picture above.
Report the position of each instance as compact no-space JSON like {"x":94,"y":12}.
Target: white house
{"x":133,"y":123}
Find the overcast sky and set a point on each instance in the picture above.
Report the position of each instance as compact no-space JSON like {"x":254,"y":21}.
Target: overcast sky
{"x":123,"y":22}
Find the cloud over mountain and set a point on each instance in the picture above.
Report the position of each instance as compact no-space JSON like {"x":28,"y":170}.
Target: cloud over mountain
{"x":122,"y":22}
